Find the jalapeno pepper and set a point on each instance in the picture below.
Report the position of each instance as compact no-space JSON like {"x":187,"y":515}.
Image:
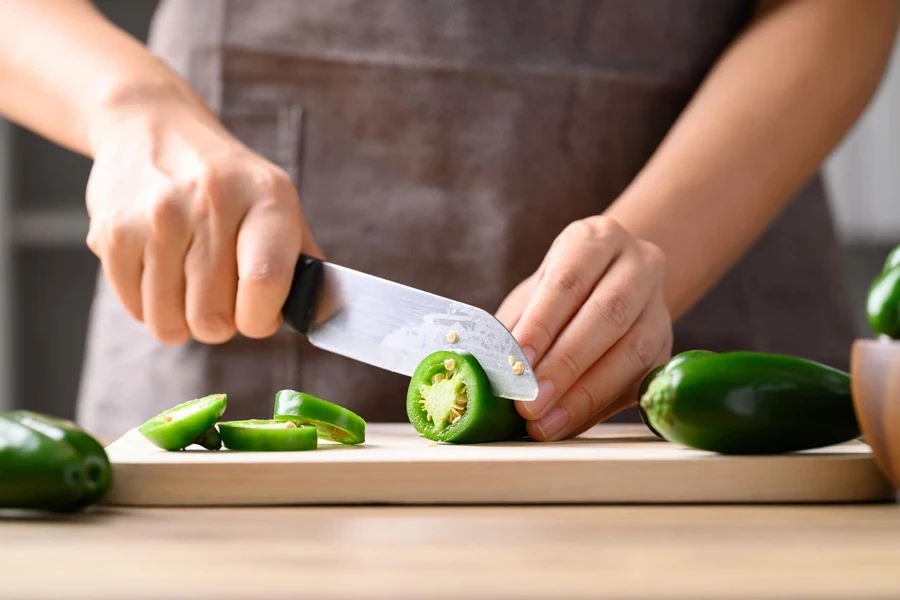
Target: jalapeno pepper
{"x":751,"y":403}
{"x":332,"y":422}
{"x":648,"y":379}
{"x":883,"y":300}
{"x":267,"y":435}
{"x":97,"y":468}
{"x":186,"y":424}
{"x":41,"y":470}
{"x":449,"y":399}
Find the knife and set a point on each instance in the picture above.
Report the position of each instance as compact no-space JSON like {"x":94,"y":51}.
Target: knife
{"x":393,"y":326}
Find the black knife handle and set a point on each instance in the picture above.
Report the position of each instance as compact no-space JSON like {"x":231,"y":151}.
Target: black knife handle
{"x":300,"y":307}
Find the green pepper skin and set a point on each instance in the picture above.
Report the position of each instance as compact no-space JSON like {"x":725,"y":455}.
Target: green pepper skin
{"x":98,"y":471}
{"x":648,"y":379}
{"x":892,"y":261}
{"x":332,"y":422}
{"x":883,"y":303}
{"x":752,"y":403}
{"x":185,"y":424}
{"x":39,"y":472}
{"x":487,"y":418}
{"x":267,"y":435}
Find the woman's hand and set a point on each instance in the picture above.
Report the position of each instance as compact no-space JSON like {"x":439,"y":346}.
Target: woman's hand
{"x":592,"y":321}
{"x":198,"y":235}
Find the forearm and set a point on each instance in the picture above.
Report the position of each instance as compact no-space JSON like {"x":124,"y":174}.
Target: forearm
{"x":770,"y":111}
{"x":63,"y":66}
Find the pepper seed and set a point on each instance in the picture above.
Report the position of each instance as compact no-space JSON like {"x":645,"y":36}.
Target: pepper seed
{"x":449,"y":364}
{"x":518,"y":368}
{"x":452,"y":337}
{"x":512,"y":360}
{"x":438,"y":378}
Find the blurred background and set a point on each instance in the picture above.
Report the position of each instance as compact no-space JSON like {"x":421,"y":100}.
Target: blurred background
{"x":47,"y":274}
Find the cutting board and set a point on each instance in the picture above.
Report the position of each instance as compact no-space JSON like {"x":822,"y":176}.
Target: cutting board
{"x":608,"y":464}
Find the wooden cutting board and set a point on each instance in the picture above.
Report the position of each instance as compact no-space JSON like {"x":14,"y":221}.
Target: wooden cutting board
{"x":609,"y":464}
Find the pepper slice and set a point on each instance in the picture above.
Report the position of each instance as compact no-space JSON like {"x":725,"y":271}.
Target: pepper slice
{"x":449,"y":399}
{"x":648,"y":379}
{"x":39,"y":472}
{"x":752,"y":403}
{"x":97,"y":468}
{"x":187,"y":423}
{"x":883,"y":299}
{"x":267,"y":435}
{"x":332,"y":422}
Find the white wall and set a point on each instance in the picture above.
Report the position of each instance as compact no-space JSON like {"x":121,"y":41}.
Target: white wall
{"x":863,"y":173}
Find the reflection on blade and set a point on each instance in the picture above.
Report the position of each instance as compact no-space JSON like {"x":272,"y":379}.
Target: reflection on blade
{"x":394,"y":327}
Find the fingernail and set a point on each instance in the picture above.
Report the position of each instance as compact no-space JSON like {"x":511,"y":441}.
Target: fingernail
{"x":544,"y":397}
{"x":529,"y":353}
{"x":553,"y":422}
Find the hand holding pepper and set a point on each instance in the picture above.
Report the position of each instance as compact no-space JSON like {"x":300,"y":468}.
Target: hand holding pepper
{"x":592,"y":321}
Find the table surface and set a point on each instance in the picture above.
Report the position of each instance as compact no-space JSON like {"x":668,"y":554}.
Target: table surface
{"x":778,"y":551}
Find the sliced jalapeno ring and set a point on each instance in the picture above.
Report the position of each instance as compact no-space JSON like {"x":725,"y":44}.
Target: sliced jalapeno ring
{"x":185,"y":424}
{"x":332,"y":422}
{"x":267,"y":435}
{"x":450,"y":399}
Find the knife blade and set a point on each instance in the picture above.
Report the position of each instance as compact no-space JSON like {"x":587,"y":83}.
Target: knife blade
{"x":393,"y":326}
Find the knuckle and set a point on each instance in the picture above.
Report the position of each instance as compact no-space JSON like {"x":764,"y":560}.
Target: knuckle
{"x":212,"y":327}
{"x":266,"y":272}
{"x":165,"y":211}
{"x":172,"y":336}
{"x":655,"y":257}
{"x":579,"y":230}
{"x":114,"y":234}
{"x":613,"y":309}
{"x":566,"y":282}
{"x":642,"y":352}
{"x":271,"y":180}
{"x":602,"y":228}
{"x":581,"y":402}
{"x":569,"y":363}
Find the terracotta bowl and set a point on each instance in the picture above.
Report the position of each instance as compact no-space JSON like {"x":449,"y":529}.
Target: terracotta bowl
{"x":875,"y":369}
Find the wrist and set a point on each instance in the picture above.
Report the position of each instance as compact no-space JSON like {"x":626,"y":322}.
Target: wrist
{"x":155,"y":91}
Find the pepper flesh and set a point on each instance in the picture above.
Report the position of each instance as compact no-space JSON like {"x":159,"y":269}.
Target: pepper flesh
{"x":185,"y":424}
{"x":883,"y":299}
{"x":457,"y":405}
{"x":267,"y":435}
{"x":752,"y":403}
{"x":332,"y":422}
{"x":97,"y":468}
{"x":39,"y":472}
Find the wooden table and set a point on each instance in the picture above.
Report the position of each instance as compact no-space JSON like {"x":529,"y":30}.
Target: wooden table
{"x":847,"y":551}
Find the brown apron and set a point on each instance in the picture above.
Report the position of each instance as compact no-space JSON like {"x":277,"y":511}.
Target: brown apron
{"x":443,"y":144}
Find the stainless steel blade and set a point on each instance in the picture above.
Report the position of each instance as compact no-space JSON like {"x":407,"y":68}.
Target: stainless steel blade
{"x":393,"y":326}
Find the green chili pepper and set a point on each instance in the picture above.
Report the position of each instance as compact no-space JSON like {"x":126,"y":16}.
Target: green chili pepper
{"x":332,"y":422}
{"x":186,"y":424}
{"x":883,"y":300}
{"x":40,"y":471}
{"x":449,"y":399}
{"x":267,"y":435}
{"x":675,"y":360}
{"x":751,"y":403}
{"x":97,"y":468}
